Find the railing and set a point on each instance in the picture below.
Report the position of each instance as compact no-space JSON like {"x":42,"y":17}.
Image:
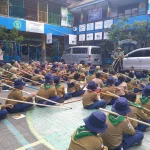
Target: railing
{"x":4,"y":10}
{"x":54,"y":19}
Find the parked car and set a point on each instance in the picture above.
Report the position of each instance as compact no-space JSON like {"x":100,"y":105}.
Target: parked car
{"x":80,"y":54}
{"x":139,"y":59}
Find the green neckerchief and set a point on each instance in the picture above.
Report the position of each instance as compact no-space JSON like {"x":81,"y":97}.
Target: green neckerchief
{"x":144,"y":99}
{"x":135,"y":105}
{"x":96,"y":70}
{"x":47,"y":86}
{"x":89,"y":75}
{"x":11,"y":75}
{"x":115,"y":120}
{"x":81,"y":132}
{"x":58,"y":85}
{"x":79,"y":70}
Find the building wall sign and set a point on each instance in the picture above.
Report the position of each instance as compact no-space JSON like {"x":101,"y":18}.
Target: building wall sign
{"x":49,"y":38}
{"x":35,"y":27}
{"x":106,"y":37}
{"x":90,"y":26}
{"x":72,"y":39}
{"x":89,"y":37}
{"x":82,"y":37}
{"x":98,"y":25}
{"x":108,"y":23}
{"x":98,"y":36}
{"x":82,"y":27}
{"x":95,"y":14}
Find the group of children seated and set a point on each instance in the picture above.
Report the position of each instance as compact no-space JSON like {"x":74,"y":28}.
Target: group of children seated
{"x":130,"y":93}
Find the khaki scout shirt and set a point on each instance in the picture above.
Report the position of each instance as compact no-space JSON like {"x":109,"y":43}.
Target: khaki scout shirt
{"x":89,"y":98}
{"x":16,"y":94}
{"x":60,"y":90}
{"x":90,"y":78}
{"x":114,"y":134}
{"x":87,"y":143}
{"x":51,"y":92}
{"x":111,"y":89}
{"x":123,"y":88}
{"x":131,"y":85}
{"x":98,"y":81}
{"x":137,"y":113}
{"x":76,"y":86}
{"x":147,"y":105}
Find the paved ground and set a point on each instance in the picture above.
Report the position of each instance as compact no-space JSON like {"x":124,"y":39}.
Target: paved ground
{"x":46,"y":128}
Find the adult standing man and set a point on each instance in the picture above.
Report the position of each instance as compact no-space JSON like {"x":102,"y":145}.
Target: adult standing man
{"x":1,"y":53}
{"x":118,"y":57}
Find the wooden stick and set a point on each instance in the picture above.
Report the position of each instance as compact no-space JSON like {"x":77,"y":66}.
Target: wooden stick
{"x":128,"y":101}
{"x":24,"y":102}
{"x":36,"y":95}
{"x":72,"y":101}
{"x":114,"y":113}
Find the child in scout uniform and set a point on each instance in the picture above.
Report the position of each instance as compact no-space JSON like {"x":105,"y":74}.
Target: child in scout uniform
{"x":16,"y":94}
{"x":82,"y":74}
{"x":144,"y":100}
{"x":97,"y":69}
{"x":98,"y":80}
{"x":48,"y":91}
{"x":145,"y":77}
{"x":74,"y":87}
{"x":91,"y":75}
{"x":110,"y":87}
{"x":114,"y":75}
{"x":88,"y":136}
{"x":3,"y":111}
{"x":90,"y":99}
{"x":13,"y":75}
{"x":120,"y":134}
{"x":122,"y":85}
{"x":137,"y":112}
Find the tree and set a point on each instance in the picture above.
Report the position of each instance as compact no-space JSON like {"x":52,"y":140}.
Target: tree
{"x":137,"y":31}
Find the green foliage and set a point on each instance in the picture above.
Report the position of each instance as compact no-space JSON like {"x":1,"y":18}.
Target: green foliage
{"x":137,"y":31}
{"x":10,"y":35}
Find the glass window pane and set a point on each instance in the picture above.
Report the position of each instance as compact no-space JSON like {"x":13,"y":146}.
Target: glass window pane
{"x":95,"y":51}
{"x":80,"y":50}
{"x":137,"y":54}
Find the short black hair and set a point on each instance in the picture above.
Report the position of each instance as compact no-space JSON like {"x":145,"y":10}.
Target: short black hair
{"x":127,"y":70}
{"x":76,"y":76}
{"x":112,"y":72}
{"x":105,"y":70}
{"x":145,"y":71}
{"x":131,"y":96}
{"x":131,"y":75}
{"x":123,"y":71}
{"x":98,"y":75}
{"x":121,"y":78}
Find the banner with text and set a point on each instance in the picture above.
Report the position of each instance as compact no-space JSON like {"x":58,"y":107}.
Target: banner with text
{"x":72,"y":39}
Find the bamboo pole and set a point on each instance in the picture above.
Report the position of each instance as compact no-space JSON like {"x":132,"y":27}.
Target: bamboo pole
{"x":128,"y":101}
{"x":72,"y":101}
{"x":24,"y":102}
{"x":38,"y":96}
{"x":114,"y":113}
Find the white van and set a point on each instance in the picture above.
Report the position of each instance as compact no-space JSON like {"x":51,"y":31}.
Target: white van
{"x":80,"y":54}
{"x":139,"y":59}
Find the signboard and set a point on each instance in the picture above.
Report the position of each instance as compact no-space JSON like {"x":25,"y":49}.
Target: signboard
{"x":82,"y":27}
{"x":89,"y":37}
{"x":98,"y":25}
{"x":90,"y":26}
{"x":66,"y":17}
{"x":95,"y":14}
{"x":35,"y":27}
{"x":82,"y":37}
{"x":49,"y":38}
{"x":108,"y":23}
{"x":98,"y":36}
{"x":72,"y":39}
{"x":106,"y":36}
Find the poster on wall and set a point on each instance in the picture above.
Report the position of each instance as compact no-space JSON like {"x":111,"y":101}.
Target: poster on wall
{"x":98,"y":25}
{"x":98,"y":36}
{"x":90,"y":26}
{"x":108,"y":23}
{"x":72,"y":39}
{"x":106,"y":37}
{"x":82,"y":37}
{"x":66,"y":17}
{"x":35,"y":27}
{"x":49,"y":38}
{"x":82,"y":27}
{"x":95,"y":14}
{"x":143,"y":7}
{"x":89,"y":37}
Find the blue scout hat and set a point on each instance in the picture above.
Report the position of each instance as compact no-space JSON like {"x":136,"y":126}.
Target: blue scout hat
{"x":91,"y":71}
{"x":92,"y":86}
{"x":56,"y":79}
{"x":110,"y":81}
{"x":48,"y":78}
{"x":146,"y":91}
{"x":72,"y":70}
{"x":96,"y":122}
{"x":36,"y":71}
{"x":89,"y":63}
{"x":19,"y":83}
{"x":121,"y":106}
{"x":138,"y":75}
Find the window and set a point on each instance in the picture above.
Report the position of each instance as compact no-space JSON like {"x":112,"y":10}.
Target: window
{"x":136,"y":54}
{"x":80,"y":50}
{"x":146,"y":53}
{"x":95,"y":51}
{"x":68,"y":51}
